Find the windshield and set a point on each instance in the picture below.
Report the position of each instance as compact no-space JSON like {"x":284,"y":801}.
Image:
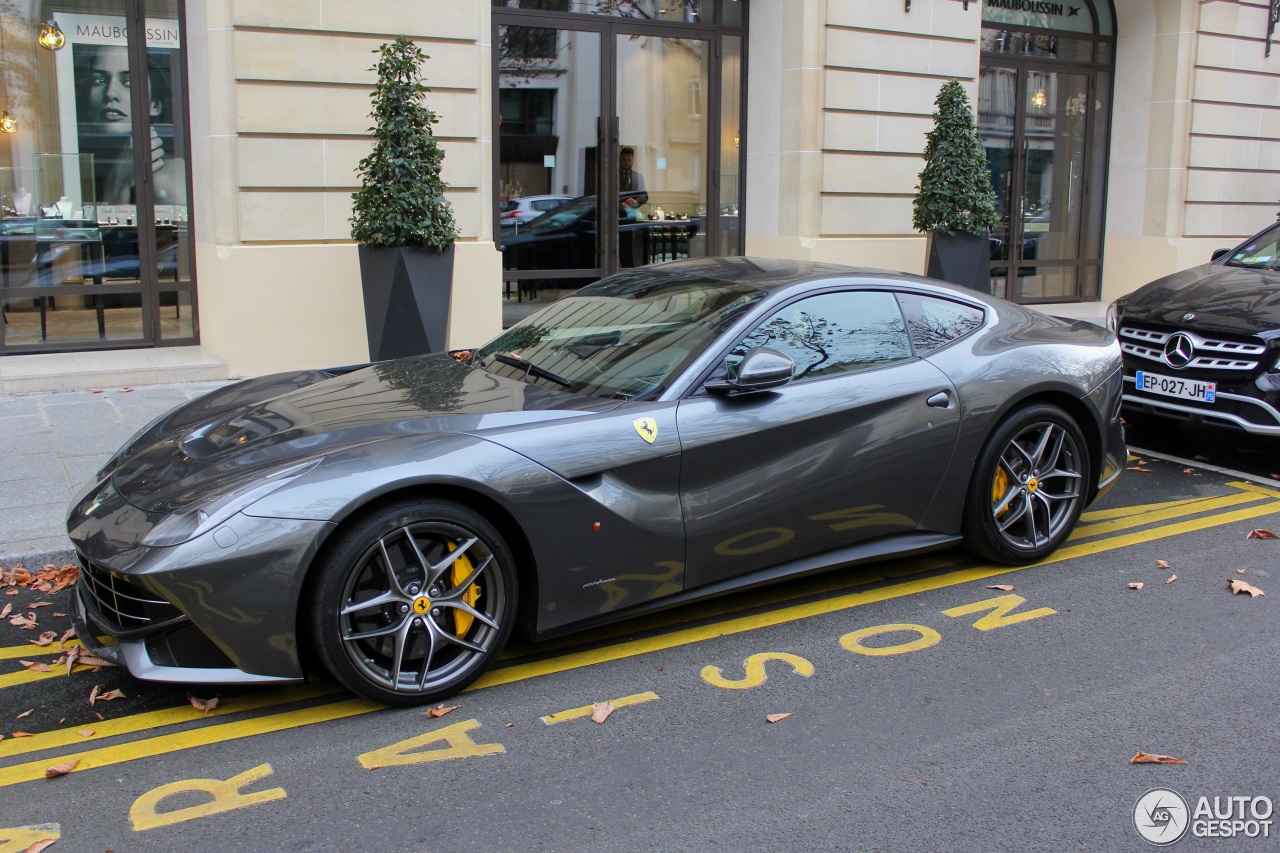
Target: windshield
{"x":627,"y":336}
{"x":1261,"y":251}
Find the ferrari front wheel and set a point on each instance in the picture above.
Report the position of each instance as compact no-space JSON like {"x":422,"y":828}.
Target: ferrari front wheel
{"x":1028,"y":487}
{"x":413,"y":602}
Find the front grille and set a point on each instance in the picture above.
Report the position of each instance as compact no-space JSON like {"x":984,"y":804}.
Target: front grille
{"x":121,"y":601}
{"x":1211,"y":354}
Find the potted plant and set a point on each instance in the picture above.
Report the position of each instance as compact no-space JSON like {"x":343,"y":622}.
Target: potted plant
{"x":402,"y":223}
{"x":955,"y":203}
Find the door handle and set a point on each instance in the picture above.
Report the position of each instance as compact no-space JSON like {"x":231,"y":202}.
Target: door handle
{"x":941,"y":400}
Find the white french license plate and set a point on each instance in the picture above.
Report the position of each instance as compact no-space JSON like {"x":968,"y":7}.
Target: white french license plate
{"x":1183,"y":389}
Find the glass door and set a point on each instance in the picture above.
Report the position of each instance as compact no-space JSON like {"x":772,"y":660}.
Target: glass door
{"x":661,"y":144}
{"x":1033,"y":120}
{"x":618,"y":145}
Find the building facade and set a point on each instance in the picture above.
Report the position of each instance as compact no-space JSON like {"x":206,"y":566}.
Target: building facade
{"x":1127,"y":140}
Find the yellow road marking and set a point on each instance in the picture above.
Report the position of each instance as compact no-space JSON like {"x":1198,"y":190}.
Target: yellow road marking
{"x":585,"y":710}
{"x":1204,"y":505}
{"x":223,"y":732}
{"x":30,"y":651}
{"x":26,"y":676}
{"x":220,"y":733}
{"x":1254,"y":487}
{"x":166,"y":717}
{"x":1136,"y":509}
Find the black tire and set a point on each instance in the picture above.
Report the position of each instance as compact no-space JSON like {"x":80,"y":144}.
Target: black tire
{"x":1028,"y":487}
{"x":397,"y":618}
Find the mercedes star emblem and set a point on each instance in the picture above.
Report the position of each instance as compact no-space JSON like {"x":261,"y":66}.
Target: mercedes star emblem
{"x":1178,"y":350}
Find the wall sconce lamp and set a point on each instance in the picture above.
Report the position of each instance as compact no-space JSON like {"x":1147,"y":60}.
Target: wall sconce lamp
{"x":51,"y":36}
{"x":8,"y":123}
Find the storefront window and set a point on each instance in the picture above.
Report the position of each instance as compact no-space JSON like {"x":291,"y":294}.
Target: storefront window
{"x":93,"y":179}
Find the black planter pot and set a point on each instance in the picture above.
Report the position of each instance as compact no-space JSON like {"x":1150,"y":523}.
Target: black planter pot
{"x":406,"y":300}
{"x":960,"y":258}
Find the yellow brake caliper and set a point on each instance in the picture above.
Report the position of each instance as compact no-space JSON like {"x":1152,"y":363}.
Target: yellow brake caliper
{"x":999,"y":488}
{"x":461,"y":569}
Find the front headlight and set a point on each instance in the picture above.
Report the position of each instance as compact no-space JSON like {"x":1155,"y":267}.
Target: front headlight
{"x":202,"y":517}
{"x":1113,"y":316}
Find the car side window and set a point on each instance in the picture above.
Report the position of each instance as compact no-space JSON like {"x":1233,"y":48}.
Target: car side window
{"x":934,"y":323}
{"x":833,"y":333}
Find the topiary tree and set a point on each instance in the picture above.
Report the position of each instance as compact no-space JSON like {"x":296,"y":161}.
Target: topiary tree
{"x":401,"y":198}
{"x":955,"y":192}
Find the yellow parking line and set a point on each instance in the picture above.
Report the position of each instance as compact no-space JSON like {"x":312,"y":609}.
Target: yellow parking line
{"x":165,"y":717}
{"x":1137,"y":509}
{"x":32,"y":651}
{"x":1202,"y":505}
{"x":586,"y":710}
{"x":222,"y":732}
{"x":26,"y":676}
{"x":1254,"y":487}
{"x":108,"y":755}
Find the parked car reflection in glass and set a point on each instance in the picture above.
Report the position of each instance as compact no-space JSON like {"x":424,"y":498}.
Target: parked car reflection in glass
{"x":567,"y":238}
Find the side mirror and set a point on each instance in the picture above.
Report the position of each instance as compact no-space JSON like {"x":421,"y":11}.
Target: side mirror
{"x":1217,"y":253}
{"x":762,"y":368}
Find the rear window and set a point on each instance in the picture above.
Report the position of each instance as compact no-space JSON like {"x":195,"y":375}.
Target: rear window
{"x":547,"y":204}
{"x":934,"y":323}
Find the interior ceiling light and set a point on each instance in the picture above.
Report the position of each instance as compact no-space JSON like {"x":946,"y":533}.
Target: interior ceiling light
{"x":51,"y":36}
{"x":1039,"y":100}
{"x":8,"y":123}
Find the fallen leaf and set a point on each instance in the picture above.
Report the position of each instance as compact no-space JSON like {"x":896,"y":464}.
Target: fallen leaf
{"x":773,"y":718}
{"x":1150,"y":758}
{"x":43,"y":845}
{"x":56,"y":613}
{"x":125,"y":390}
{"x":600,"y":711}
{"x":95,"y":390}
{"x":99,"y":716}
{"x":111,"y":694}
{"x":22,"y":734}
{"x":86,"y":733}
{"x":26,"y":713}
{"x":1239,"y":586}
{"x":1171,"y":579}
{"x":1007,"y":587}
{"x":67,"y":635}
{"x":6,"y":610}
{"x":45,"y":639}
{"x":26,"y":623}
{"x":205,"y":705}
{"x":33,"y":605}
{"x":86,"y":659}
{"x":10,"y":592}
{"x":1198,"y":458}
{"x":1138,"y":585}
{"x":35,"y":666}
{"x":509,"y":725}
{"x":73,"y":654}
{"x":1188,"y":470}
{"x":61,"y":769}
{"x":1275,"y":476}
{"x":93,"y":694}
{"x":1163,"y":564}
{"x":441,"y":710}
{"x":1259,"y":533}
{"x":1139,"y":470}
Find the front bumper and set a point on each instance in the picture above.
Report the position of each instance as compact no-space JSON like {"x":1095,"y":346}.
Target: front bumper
{"x":1231,"y":408}
{"x":220,"y":609}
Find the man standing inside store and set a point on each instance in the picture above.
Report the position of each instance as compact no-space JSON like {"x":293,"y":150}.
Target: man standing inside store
{"x":630,"y":183}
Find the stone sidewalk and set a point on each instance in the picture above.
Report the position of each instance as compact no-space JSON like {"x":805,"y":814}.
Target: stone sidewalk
{"x":52,"y":443}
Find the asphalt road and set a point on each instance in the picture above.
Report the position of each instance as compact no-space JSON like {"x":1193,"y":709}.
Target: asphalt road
{"x":928,"y":712}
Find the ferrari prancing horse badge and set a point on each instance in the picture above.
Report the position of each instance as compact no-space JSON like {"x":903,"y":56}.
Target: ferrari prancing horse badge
{"x":647,"y":428}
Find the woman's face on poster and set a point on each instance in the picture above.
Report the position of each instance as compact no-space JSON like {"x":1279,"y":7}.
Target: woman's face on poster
{"x":108,"y":90}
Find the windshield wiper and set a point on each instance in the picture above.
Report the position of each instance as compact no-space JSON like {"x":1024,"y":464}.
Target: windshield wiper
{"x":529,"y":367}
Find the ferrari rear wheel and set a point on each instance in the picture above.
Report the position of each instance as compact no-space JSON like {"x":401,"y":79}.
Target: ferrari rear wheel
{"x":414,"y":602}
{"x":1028,"y":487}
